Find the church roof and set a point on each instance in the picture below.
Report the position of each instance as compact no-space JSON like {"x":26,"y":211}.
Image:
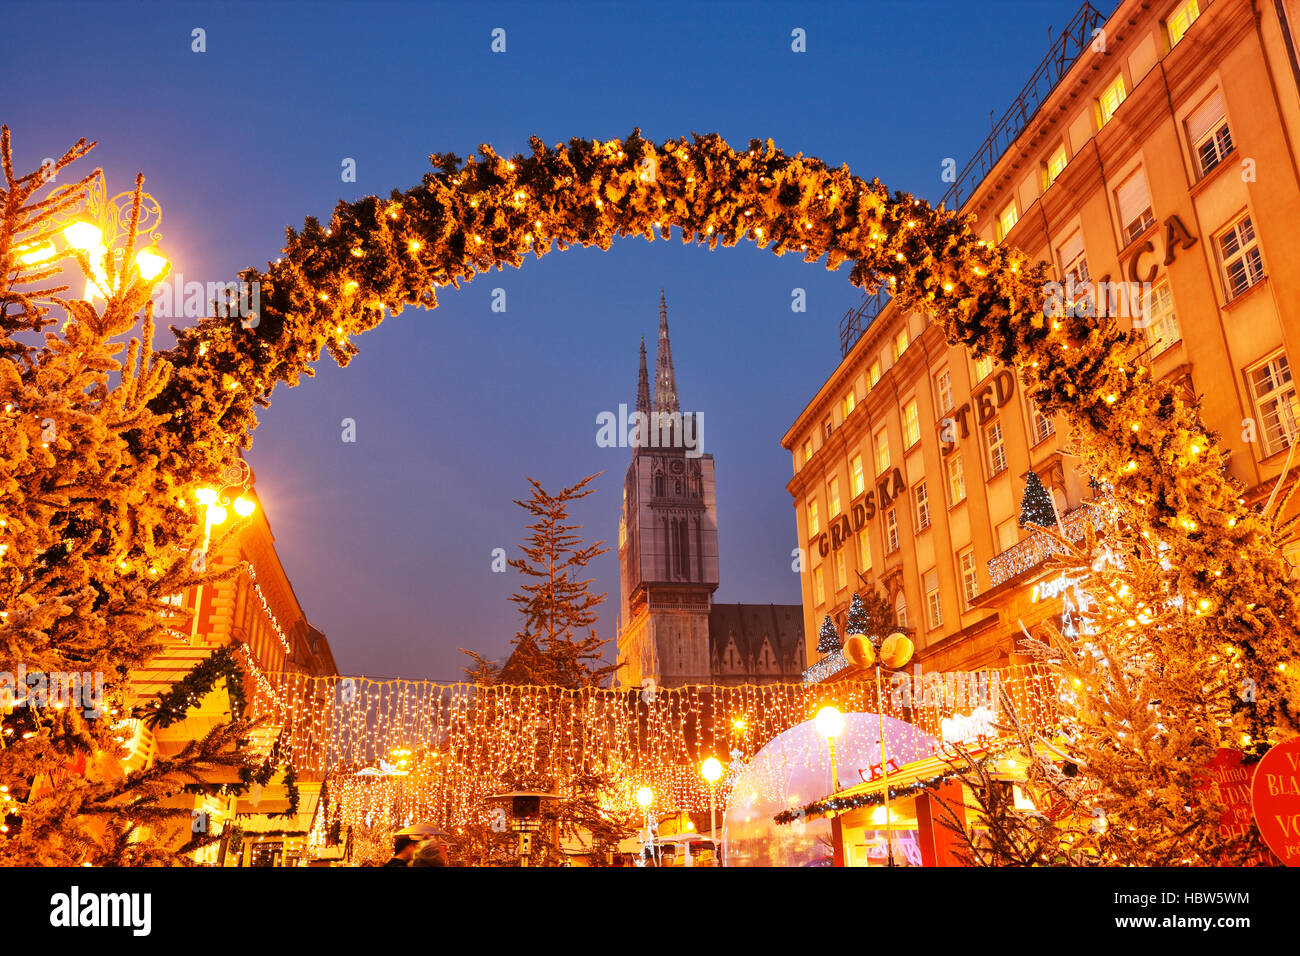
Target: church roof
{"x":749,"y":624}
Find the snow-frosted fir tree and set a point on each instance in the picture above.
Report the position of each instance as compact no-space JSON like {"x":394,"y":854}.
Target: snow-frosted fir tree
{"x":94,"y":535}
{"x":1036,"y":507}
{"x":828,"y":638}
{"x":1141,"y":717}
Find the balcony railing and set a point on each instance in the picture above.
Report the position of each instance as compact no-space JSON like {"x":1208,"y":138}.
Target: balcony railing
{"x":1066,"y":50}
{"x":1038,"y":547}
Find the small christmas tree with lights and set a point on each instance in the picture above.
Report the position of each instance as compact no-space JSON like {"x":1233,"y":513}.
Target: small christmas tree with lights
{"x":857,"y":622}
{"x":828,"y":639}
{"x":1036,"y":508}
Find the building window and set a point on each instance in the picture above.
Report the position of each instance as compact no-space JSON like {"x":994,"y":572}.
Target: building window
{"x":922,"y":506}
{"x":1074,"y":262}
{"x":1275,"y":398}
{"x":882,"y":451}
{"x":970,"y":575}
{"x":1041,"y":427}
{"x":857,"y":479}
{"x":864,"y":550}
{"x":891,"y":530}
{"x":873,"y":375}
{"x":814,"y":522}
{"x":1056,"y":164}
{"x":1007,"y":219}
{"x":849,"y":403}
{"x":834,"y":497}
{"x":807,"y":450}
{"x":933,"y":603}
{"x":841,"y":573}
{"x":819,"y":586}
{"x":1180,"y":20}
{"x":997,"y":449}
{"x":911,"y":424}
{"x":1207,"y":131}
{"x":901,"y":342}
{"x":827,"y":427}
{"x":983,"y":366}
{"x":1239,"y":250}
{"x":956,"y":480}
{"x":1008,"y":535}
{"x":900,"y":610}
{"x":943,"y":383}
{"x":1133,"y":200}
{"x":1161,"y":327}
{"x":1109,"y":101}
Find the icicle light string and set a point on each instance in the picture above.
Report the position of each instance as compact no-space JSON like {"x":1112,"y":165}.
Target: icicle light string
{"x":444,"y":747}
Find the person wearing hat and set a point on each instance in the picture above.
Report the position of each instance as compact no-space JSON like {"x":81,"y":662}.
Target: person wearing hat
{"x":404,"y":848}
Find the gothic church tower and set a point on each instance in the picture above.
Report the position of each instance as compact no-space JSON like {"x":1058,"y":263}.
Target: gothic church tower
{"x":667,"y":538}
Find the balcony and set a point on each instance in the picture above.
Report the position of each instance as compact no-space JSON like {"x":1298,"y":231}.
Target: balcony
{"x":1038,"y":547}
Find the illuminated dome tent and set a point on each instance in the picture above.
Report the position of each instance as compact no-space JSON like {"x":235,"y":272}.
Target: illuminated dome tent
{"x":794,"y":769}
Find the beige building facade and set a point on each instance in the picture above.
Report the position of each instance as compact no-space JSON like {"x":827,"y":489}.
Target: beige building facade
{"x":1156,"y":170}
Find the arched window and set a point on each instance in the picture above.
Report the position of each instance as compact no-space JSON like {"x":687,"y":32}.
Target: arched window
{"x":900,"y":609}
{"x":659,"y":486}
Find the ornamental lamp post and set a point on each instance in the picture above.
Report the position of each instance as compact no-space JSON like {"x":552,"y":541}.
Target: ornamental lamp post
{"x":711,"y":770}
{"x":895,"y":652}
{"x":830,"y":724}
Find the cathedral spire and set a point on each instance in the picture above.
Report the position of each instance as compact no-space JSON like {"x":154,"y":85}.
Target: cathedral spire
{"x":643,"y":384}
{"x":665,"y":380}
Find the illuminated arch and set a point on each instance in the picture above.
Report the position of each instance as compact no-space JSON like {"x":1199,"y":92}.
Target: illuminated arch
{"x":465,"y":218}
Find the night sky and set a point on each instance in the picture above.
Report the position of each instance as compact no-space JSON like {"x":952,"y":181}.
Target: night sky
{"x":388,"y":541}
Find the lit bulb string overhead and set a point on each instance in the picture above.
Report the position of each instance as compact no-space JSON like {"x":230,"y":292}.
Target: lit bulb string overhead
{"x":438,"y":750}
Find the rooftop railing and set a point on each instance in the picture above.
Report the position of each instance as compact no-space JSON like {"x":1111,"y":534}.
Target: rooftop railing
{"x":1064,"y":53}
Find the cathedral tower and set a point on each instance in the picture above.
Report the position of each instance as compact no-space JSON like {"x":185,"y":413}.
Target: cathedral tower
{"x":667,"y":536}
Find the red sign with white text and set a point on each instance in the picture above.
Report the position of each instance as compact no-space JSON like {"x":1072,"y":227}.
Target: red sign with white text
{"x":1275,"y":795}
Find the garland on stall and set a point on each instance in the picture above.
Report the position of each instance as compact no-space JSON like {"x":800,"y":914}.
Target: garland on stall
{"x":186,"y":694}
{"x":811,"y":811}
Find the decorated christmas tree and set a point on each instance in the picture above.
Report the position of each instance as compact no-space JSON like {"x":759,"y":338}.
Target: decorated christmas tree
{"x":857,"y":620}
{"x":828,"y":639}
{"x":94,"y":536}
{"x":1036,"y":507}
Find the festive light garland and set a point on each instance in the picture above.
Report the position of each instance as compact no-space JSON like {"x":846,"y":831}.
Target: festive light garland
{"x":825,"y":668}
{"x":1038,"y":547}
{"x":266,"y":608}
{"x":446,"y":747}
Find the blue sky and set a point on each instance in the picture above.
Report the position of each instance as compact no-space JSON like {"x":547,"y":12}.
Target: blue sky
{"x":388,"y":541}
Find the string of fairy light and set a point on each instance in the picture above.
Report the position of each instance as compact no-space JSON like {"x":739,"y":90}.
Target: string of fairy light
{"x":397,"y":750}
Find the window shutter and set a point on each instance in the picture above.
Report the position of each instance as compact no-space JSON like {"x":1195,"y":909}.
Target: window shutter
{"x":1070,"y":251}
{"x":1205,"y":119}
{"x":1132,"y":198}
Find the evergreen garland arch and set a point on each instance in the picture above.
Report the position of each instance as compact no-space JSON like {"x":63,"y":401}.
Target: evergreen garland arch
{"x":1137,"y":435}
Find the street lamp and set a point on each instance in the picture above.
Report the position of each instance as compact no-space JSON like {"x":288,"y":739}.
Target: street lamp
{"x":644,"y":798}
{"x":711,"y":770}
{"x":830,"y":724}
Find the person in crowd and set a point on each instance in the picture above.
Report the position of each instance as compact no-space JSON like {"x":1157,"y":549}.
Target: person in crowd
{"x":403,"y":849}
{"x":431,"y":853}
